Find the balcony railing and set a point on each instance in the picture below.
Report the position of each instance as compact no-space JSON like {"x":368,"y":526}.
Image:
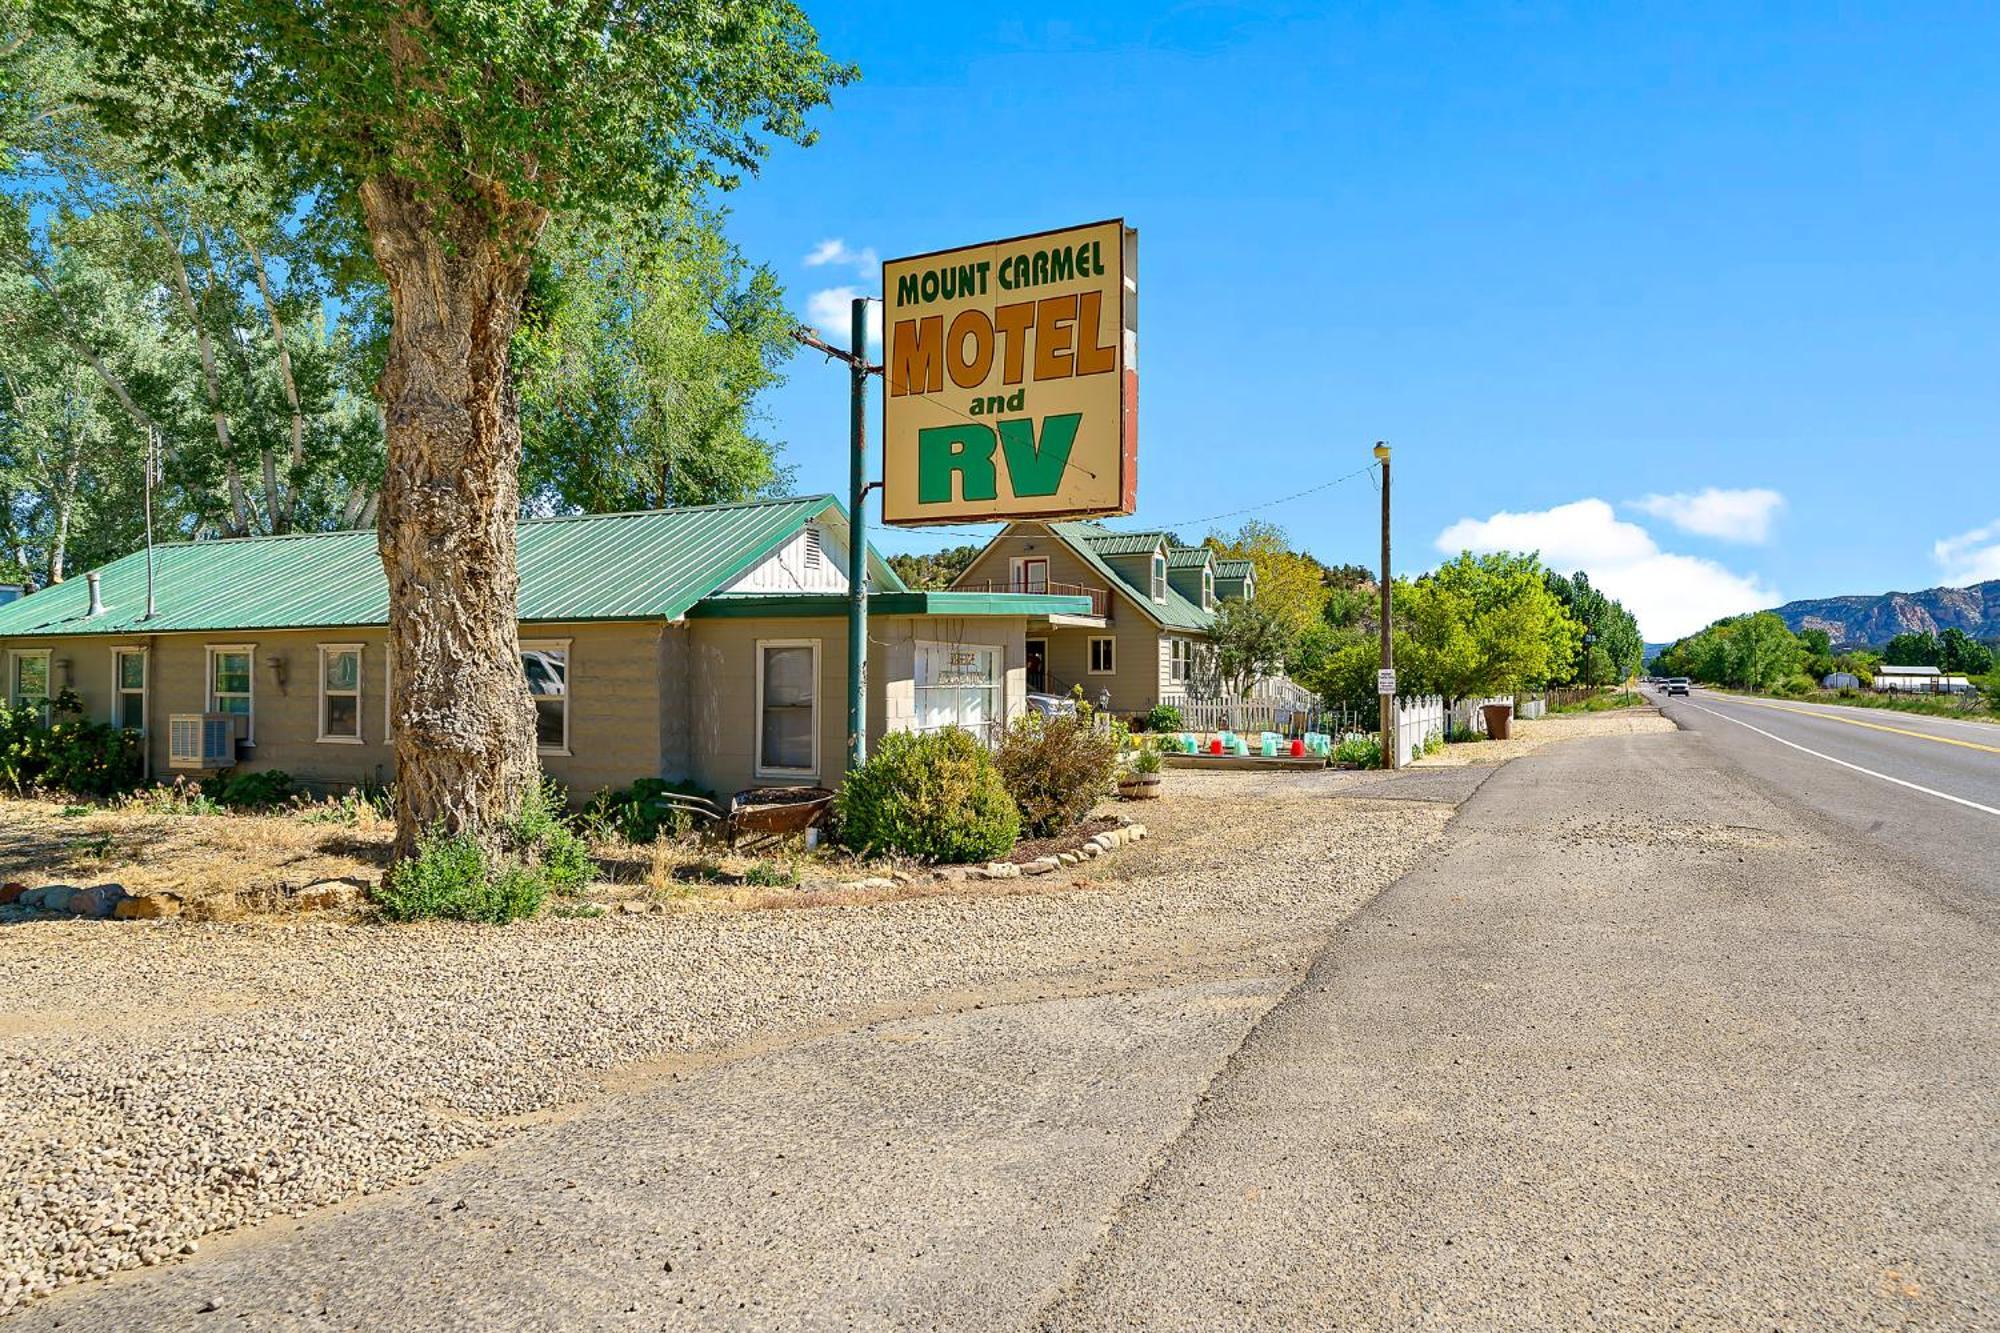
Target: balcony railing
{"x":1100,"y":598}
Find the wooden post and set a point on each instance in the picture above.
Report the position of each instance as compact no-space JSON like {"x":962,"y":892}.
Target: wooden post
{"x":1392,"y":756}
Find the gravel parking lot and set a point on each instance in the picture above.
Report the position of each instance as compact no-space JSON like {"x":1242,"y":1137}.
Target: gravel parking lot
{"x":168,"y":1080}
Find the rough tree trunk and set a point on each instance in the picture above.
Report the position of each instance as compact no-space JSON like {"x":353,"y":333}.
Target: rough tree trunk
{"x":464,"y":724}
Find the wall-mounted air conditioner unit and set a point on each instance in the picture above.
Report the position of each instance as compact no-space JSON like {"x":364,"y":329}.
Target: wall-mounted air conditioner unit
{"x":202,"y":740}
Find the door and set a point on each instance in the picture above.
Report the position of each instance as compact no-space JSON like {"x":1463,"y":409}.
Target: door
{"x":1031,"y":574}
{"x":1038,"y":666}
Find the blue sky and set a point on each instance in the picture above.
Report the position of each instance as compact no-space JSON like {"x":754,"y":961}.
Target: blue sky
{"x":1699,"y":298}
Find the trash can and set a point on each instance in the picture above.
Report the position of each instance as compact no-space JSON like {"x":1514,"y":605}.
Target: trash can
{"x":1499,"y":720}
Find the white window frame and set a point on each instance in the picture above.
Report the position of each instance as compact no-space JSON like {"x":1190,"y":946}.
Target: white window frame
{"x":1159,"y":576}
{"x":568,"y":747}
{"x":996,"y":717}
{"x":1207,"y":589}
{"x":1018,"y":580}
{"x":15,"y":657}
{"x":249,"y":651}
{"x":360,"y":667}
{"x":1180,"y":661}
{"x":118,"y":690}
{"x":757,"y":707}
{"x":1110,"y":667}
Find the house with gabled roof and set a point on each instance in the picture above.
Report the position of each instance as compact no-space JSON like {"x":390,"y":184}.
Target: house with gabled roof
{"x":1152,"y":603}
{"x":706,"y":644}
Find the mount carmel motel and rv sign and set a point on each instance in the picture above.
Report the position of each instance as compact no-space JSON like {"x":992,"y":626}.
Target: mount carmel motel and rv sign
{"x":1013,"y":381}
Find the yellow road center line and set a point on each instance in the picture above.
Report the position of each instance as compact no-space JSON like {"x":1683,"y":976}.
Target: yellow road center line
{"x":1857,"y":722}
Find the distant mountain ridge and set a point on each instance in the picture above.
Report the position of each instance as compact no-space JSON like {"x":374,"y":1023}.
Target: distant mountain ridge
{"x":1860,"y":620}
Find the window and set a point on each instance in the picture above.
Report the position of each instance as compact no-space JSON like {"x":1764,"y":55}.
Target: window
{"x":1159,"y":576}
{"x":1183,"y":660}
{"x":1208,"y":590}
{"x":958,"y":685}
{"x":1103,"y":657}
{"x":1031,"y":573}
{"x":546,"y":665}
{"x":29,"y":683}
{"x":128,"y":701}
{"x":340,"y":693}
{"x":230,"y":687}
{"x":788,"y":707}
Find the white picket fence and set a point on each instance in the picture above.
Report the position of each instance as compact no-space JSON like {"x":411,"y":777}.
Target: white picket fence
{"x":1418,"y":718}
{"x":1247,"y":717}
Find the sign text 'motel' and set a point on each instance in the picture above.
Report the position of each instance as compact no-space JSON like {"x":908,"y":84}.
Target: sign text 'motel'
{"x":1013,"y":379}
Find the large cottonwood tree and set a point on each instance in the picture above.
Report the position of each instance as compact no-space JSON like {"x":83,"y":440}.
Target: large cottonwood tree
{"x":456,"y":130}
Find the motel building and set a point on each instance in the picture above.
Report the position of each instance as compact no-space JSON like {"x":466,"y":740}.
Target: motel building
{"x":701,"y":644}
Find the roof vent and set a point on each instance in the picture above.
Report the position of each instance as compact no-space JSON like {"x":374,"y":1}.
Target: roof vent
{"x":813,"y":553}
{"x":96,"y":594}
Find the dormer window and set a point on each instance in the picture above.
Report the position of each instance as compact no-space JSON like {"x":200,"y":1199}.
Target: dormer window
{"x":1208,"y":590}
{"x":1159,"y":576}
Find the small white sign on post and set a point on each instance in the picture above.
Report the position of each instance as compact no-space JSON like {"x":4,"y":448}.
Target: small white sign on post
{"x":1385,"y":681}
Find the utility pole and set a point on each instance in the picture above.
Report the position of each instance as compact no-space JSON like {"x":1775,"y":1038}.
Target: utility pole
{"x":1386,"y":683}
{"x":857,"y":538}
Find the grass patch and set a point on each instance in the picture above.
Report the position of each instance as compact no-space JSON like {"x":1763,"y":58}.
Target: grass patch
{"x":1968,"y":708}
{"x":1603,"y":703}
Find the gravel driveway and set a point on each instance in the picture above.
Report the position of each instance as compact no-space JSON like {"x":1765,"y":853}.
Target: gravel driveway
{"x":167,"y":1080}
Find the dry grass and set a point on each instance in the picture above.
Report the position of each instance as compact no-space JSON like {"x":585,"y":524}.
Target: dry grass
{"x":221,"y":866}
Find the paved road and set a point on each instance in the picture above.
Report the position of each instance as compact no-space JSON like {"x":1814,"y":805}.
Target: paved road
{"x":1924,"y":790}
{"x":1659,"y":1041}
{"x":1654,"y":1045}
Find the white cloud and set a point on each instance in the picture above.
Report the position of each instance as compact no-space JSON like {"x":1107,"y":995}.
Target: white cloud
{"x":1970,"y":557}
{"x":830,"y":309}
{"x":836,"y":251}
{"x":1670,"y":594}
{"x":1734,"y":516}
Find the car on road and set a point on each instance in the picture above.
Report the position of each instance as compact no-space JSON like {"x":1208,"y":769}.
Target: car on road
{"x":1676,"y":685}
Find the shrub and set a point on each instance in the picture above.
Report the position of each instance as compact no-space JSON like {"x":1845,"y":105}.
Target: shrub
{"x":1795,"y":687}
{"x":1360,"y":751}
{"x":1163,"y":717}
{"x":250,"y":791}
{"x":452,"y":879}
{"x":59,"y":748}
{"x":548,"y":845}
{"x":936,"y":795}
{"x":1148,"y":760}
{"x":639,"y":813}
{"x":1057,"y":768}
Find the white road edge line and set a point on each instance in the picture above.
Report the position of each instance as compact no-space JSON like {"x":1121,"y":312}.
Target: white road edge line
{"x":1928,"y":791}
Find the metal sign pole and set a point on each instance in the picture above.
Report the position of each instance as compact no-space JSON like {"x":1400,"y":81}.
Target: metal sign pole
{"x":857,"y":540}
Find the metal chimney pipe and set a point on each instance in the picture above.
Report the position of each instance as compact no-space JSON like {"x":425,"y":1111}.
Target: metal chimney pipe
{"x":96,"y":595}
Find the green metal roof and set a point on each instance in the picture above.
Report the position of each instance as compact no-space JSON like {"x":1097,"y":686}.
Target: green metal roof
{"x":1239,"y":568}
{"x":895,"y":604}
{"x":1108,"y":543}
{"x":638,"y":566}
{"x":1187,"y":557}
{"x":1088,"y":540}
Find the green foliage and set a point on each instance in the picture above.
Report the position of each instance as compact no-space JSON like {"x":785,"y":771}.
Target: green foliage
{"x":641,"y":812}
{"x":259,"y":790}
{"x":1161,"y":718}
{"x":936,"y":571}
{"x":640,"y":360}
{"x":1616,"y":651}
{"x":453,"y":879}
{"x":1058,"y":767}
{"x":589,"y":110}
{"x":1249,"y":639}
{"x":1752,"y":652}
{"x":765,"y":875}
{"x":1794,"y":687}
{"x":549,"y":848}
{"x":1147,"y":760}
{"x":1345,"y":677}
{"x":1290,"y":584}
{"x":1358,"y":751}
{"x":1481,"y":625}
{"x":1604,"y":703}
{"x":935,"y":795}
{"x":63,"y":751}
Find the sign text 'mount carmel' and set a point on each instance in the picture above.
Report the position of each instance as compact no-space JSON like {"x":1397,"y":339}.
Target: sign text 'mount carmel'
{"x":1012,"y":379}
